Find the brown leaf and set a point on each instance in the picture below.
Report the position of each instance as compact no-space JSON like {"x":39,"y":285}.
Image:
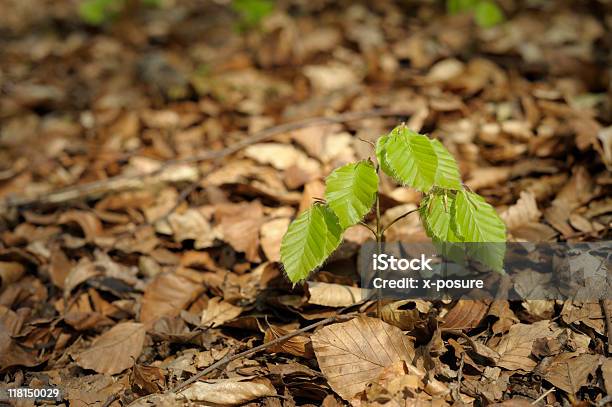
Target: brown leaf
{"x":192,"y":224}
{"x":299,"y":345}
{"x":167,"y":295}
{"x":10,"y":272}
{"x":115,"y":350}
{"x":271,"y":234}
{"x":11,"y":354}
{"x":569,"y":373}
{"x":405,"y":314}
{"x":606,"y":372}
{"x":506,"y":318}
{"x":524,"y":212}
{"x":87,"y":221}
{"x":219,"y":312}
{"x":229,"y":391}
{"x":239,"y":224}
{"x":515,"y":347}
{"x":352,"y":353}
{"x":466,"y":314}
{"x":334,"y":295}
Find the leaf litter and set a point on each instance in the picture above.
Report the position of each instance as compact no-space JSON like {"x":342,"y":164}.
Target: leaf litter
{"x":128,"y":263}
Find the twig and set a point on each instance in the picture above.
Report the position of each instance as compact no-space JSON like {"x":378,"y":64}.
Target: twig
{"x":398,"y":219}
{"x":121,"y":182}
{"x":606,"y":305}
{"x":370,"y":228}
{"x":546,"y":393}
{"x":227,"y":359}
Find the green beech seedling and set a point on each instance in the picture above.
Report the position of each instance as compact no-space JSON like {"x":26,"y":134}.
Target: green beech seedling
{"x":486,"y":12}
{"x":450,"y":214}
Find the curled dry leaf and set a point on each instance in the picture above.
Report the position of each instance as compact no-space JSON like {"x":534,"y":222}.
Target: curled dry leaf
{"x":229,"y":391}
{"x":219,"y":312}
{"x":350,"y":354}
{"x":87,"y":221}
{"x":299,"y":345}
{"x":524,"y":212}
{"x":191,"y":224}
{"x":282,"y":157}
{"x":334,"y":295}
{"x":11,"y":354}
{"x":10,"y":272}
{"x":167,"y":295}
{"x":405,"y":314}
{"x":239,"y":225}
{"x":115,"y":350}
{"x":466,"y":314}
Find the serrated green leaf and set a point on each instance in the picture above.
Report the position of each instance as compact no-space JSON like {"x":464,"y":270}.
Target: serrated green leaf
{"x":447,"y":173}
{"x":411,"y":159}
{"x":435,"y":213}
{"x":380,"y":154}
{"x":477,"y":222}
{"x":488,"y":14}
{"x":350,"y":191}
{"x":310,"y":239}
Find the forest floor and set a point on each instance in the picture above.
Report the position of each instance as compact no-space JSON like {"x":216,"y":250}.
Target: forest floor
{"x":145,"y":186}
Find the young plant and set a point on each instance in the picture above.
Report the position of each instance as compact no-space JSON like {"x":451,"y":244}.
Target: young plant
{"x":486,"y":12}
{"x":451,"y":214}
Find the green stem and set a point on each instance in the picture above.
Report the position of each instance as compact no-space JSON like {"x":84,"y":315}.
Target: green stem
{"x":398,"y":219}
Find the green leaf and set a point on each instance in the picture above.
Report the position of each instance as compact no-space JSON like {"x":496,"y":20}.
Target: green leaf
{"x":447,"y":174}
{"x":380,"y":154}
{"x":488,"y":14}
{"x":97,"y":12}
{"x":476,"y":221}
{"x":350,"y":191}
{"x":411,"y":158}
{"x":252,"y":11}
{"x":310,"y":239}
{"x":435,"y":213}
{"x":460,"y":6}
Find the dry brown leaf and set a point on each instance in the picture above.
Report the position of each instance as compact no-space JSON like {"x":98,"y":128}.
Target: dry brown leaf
{"x":606,"y":372}
{"x":569,"y":372}
{"x":334,"y":295}
{"x":466,"y":314}
{"x":11,"y":354}
{"x":506,"y":318}
{"x":405,"y":314}
{"x":314,"y":189}
{"x":10,"y":272}
{"x":229,"y":391}
{"x":487,"y":177}
{"x":115,"y":350}
{"x":299,"y":345}
{"x":239,"y":225}
{"x":351,"y":354}
{"x":515,"y":347}
{"x":192,"y":224}
{"x":271,"y":234}
{"x":282,"y":157}
{"x":524,"y":212}
{"x":167,"y":295}
{"x":218,"y":312}
{"x":87,"y":221}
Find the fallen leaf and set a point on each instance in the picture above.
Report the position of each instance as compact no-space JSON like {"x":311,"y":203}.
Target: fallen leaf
{"x":405,"y":314}
{"x":239,"y":225}
{"x":11,"y":353}
{"x":167,"y":295}
{"x":282,"y":157}
{"x":466,"y":314}
{"x":569,"y":372}
{"x":10,"y":272}
{"x":350,"y":354}
{"x":87,"y":221}
{"x":115,"y":350}
{"x":334,"y":295}
{"x":218,"y":312}
{"x":515,"y":347}
{"x":229,"y":391}
{"x":192,"y":224}
{"x":299,"y":345}
{"x":525,"y":211}
{"x":271,"y":234}
{"x":606,"y":372}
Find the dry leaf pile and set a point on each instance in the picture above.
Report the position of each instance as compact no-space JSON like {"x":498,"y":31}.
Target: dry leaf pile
{"x":128,"y":263}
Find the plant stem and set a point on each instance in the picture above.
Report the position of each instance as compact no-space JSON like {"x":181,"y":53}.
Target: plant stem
{"x":398,"y":219}
{"x":370,"y":228}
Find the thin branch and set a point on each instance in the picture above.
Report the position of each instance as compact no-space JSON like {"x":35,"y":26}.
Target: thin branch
{"x":536,"y":401}
{"x":398,"y":219}
{"x":123,"y":182}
